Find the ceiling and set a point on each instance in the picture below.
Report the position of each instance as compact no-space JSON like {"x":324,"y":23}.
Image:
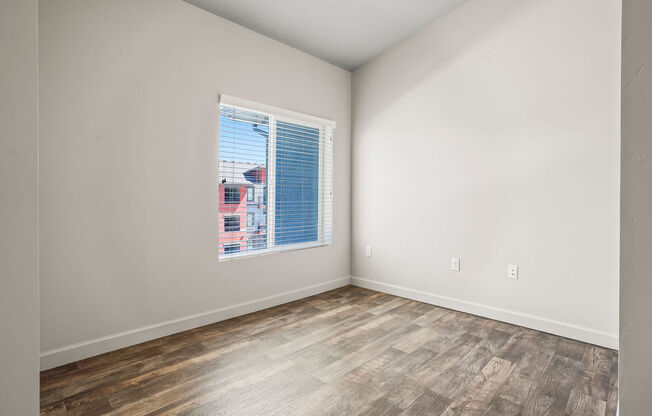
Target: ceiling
{"x":346,"y":33}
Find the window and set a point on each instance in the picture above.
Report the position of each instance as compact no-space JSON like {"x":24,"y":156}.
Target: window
{"x":231,"y":248}
{"x":231,"y":194}
{"x":284,"y":159}
{"x":231,"y":223}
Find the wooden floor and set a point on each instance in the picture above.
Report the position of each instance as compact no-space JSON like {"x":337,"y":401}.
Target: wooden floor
{"x":350,"y":351}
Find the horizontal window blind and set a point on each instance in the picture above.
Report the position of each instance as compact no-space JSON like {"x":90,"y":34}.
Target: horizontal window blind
{"x":275,"y":180}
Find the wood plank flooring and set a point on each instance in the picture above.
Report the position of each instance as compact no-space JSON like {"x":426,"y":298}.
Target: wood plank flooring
{"x":350,"y":351}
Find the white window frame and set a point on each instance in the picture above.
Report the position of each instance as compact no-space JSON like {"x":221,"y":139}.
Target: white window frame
{"x":279,"y":114}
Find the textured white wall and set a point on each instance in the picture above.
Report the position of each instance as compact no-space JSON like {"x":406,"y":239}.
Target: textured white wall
{"x":129,"y":164}
{"x":635,"y":384}
{"x":18,"y":208}
{"x":493,"y":135}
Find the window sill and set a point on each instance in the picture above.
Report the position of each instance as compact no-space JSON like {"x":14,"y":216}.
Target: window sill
{"x":267,"y":252}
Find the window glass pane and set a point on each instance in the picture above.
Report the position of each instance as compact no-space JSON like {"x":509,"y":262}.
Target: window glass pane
{"x":243,"y":148}
{"x":232,"y":248}
{"x":297,"y":184}
{"x":231,"y":194}
{"x":231,"y":223}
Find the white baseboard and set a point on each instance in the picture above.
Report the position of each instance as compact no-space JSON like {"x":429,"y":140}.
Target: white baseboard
{"x":563,"y":329}
{"x":75,"y":352}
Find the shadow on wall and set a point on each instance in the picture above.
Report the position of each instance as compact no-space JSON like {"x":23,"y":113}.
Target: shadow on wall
{"x":495,"y":126}
{"x":417,"y":58}
{"x":415,"y":62}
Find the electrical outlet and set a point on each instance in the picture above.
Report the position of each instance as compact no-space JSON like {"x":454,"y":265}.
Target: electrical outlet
{"x":455,"y":264}
{"x":367,"y":251}
{"x":512,"y":271}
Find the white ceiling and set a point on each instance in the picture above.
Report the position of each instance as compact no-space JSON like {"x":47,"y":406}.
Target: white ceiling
{"x":347,"y":33}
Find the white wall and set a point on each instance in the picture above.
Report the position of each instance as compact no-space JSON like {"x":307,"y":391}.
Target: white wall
{"x":18,"y":208}
{"x":635,"y":366}
{"x":493,"y":135}
{"x":129,"y":171}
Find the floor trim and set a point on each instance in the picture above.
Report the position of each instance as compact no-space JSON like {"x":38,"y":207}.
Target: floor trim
{"x":563,"y":329}
{"x":75,"y":352}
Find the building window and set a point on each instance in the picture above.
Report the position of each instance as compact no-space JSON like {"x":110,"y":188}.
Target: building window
{"x":231,"y":223}
{"x":231,"y":194}
{"x":285,"y":160}
{"x":231,"y":248}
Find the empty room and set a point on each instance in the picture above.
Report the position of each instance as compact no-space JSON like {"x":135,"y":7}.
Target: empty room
{"x":326,"y":207}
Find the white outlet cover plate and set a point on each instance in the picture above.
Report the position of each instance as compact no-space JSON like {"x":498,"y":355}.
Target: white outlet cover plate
{"x":455,"y":264}
{"x":512,"y":271}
